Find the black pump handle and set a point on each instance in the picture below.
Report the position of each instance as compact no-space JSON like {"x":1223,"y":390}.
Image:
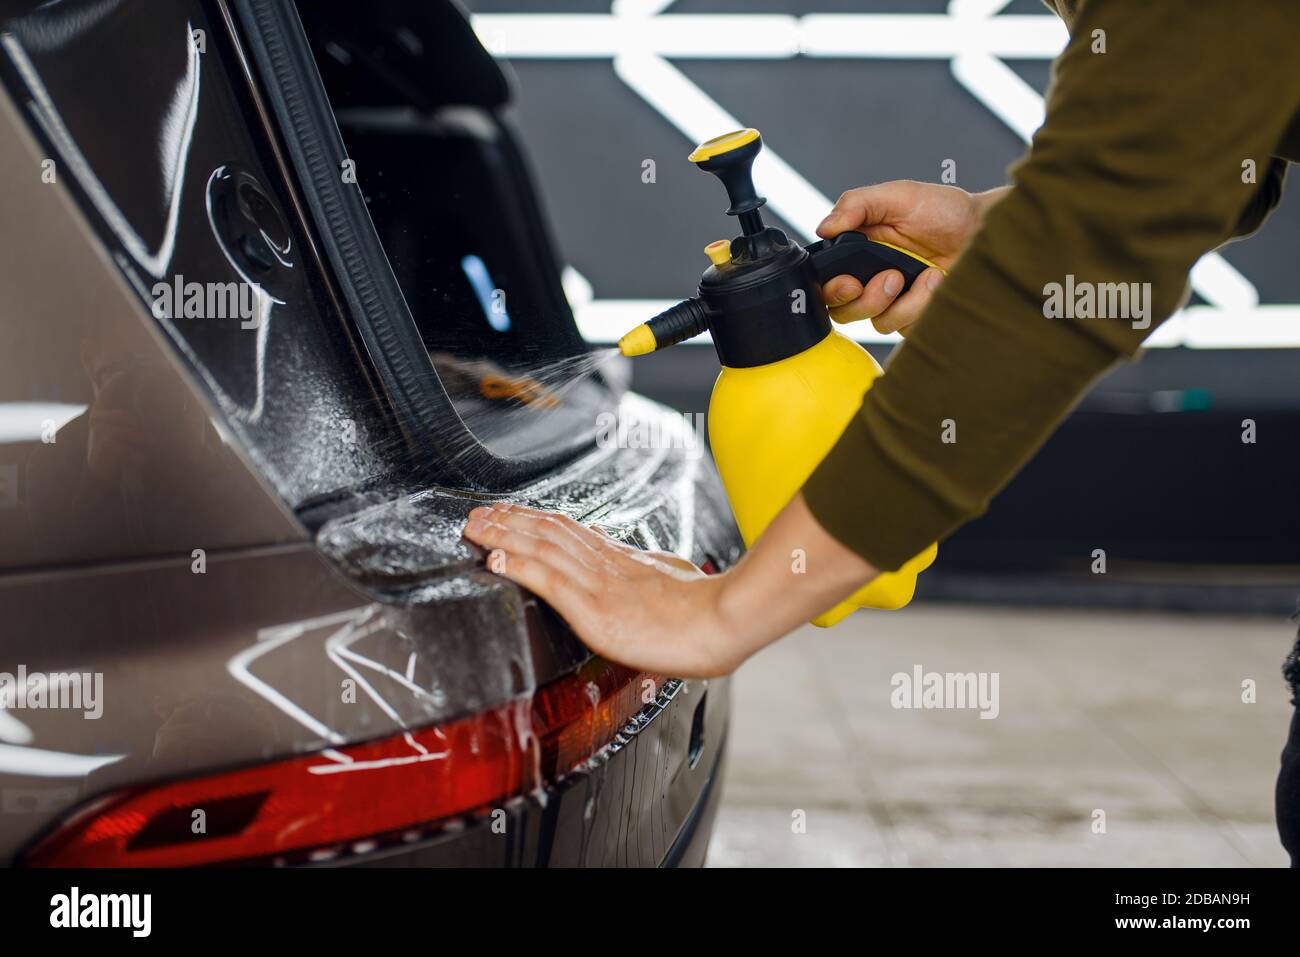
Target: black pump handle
{"x":852,"y":254}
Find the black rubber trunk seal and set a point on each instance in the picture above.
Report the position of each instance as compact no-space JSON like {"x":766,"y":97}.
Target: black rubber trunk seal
{"x":278,"y":48}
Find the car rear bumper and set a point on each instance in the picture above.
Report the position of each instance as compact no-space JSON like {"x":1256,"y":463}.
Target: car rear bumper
{"x":692,"y":845}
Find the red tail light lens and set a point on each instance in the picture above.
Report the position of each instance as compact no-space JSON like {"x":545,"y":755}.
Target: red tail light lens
{"x":290,"y":809}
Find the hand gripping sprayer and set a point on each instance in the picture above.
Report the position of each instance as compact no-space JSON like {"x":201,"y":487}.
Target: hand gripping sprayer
{"x":790,"y":383}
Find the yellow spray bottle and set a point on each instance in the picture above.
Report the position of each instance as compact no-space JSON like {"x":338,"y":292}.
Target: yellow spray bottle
{"x":790,"y":383}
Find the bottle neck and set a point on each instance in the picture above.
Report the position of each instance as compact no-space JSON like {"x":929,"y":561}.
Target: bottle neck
{"x":766,"y":311}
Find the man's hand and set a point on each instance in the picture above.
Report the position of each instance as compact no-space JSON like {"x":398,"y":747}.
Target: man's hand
{"x":658,"y":612}
{"x":648,"y":610}
{"x":931,"y":220}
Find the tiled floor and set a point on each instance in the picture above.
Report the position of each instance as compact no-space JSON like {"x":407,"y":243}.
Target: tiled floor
{"x":1139,"y":716}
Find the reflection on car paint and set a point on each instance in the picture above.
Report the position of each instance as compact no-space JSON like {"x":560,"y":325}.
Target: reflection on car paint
{"x":39,"y":763}
{"x":406,"y":703}
{"x":35,"y":421}
{"x":174,"y":138}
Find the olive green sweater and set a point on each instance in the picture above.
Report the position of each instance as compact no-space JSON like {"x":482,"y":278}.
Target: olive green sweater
{"x":1139,"y":169}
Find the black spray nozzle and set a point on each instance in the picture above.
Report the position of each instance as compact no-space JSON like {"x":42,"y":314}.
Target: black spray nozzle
{"x":675,"y":324}
{"x":731,"y":158}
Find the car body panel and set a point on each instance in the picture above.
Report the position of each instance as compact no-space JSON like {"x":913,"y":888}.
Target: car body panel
{"x":155,"y":534}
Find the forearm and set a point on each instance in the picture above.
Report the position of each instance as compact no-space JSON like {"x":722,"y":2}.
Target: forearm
{"x":986,"y":200}
{"x":797,"y":560}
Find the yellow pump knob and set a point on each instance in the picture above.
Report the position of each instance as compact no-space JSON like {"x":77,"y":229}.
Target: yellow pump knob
{"x":722,"y":144}
{"x":719,"y":252}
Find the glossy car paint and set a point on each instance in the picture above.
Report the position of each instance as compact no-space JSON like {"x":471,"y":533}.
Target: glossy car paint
{"x":196,"y":532}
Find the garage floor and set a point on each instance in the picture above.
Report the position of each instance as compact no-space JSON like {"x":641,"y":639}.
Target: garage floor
{"x":1137,"y":715}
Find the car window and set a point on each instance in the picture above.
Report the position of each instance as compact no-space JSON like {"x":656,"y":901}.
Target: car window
{"x":420,"y":107}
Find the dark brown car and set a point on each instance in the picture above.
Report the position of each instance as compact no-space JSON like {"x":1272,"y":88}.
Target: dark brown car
{"x":279,"y":307}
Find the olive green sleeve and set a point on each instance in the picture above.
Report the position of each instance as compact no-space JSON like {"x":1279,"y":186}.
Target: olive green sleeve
{"x":1137,"y":172}
{"x":1264,"y":201}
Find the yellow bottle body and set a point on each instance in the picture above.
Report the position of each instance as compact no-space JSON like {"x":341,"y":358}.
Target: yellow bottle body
{"x":771,"y":425}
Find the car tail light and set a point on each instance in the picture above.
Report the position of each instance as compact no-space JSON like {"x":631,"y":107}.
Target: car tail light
{"x":314,"y":806}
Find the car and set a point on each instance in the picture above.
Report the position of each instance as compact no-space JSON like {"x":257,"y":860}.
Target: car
{"x":281,"y":305}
